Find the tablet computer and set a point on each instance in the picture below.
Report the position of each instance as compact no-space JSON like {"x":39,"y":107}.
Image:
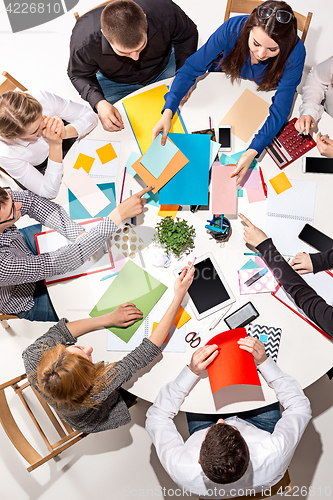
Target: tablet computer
{"x":209,"y":291}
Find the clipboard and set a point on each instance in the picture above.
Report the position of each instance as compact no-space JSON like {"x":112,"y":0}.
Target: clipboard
{"x":102,"y":262}
{"x":302,"y":316}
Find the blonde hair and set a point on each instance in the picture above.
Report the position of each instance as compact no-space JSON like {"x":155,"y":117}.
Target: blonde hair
{"x":17,"y":111}
{"x":69,"y":380}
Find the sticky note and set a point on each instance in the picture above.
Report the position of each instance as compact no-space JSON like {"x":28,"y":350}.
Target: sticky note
{"x":84,"y":161}
{"x":106,"y":153}
{"x":157,"y":157}
{"x":168,"y":210}
{"x":166,"y":340}
{"x":181,"y":318}
{"x":280,"y":183}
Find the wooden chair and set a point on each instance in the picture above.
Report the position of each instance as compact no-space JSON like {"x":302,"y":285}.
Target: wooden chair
{"x":9,"y":83}
{"x":76,"y":14}
{"x":67,"y":435}
{"x":247,"y":6}
{"x":4,"y":317}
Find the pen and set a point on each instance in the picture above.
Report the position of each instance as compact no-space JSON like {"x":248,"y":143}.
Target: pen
{"x":264,"y":186}
{"x":218,"y":319}
{"x":110,"y":276}
{"x":256,"y":277}
{"x":301,"y":131}
{"x":194,"y":208}
{"x":132,"y":218}
{"x":191,"y":265}
{"x":122,"y":187}
{"x":210,"y":122}
{"x":252,"y":253}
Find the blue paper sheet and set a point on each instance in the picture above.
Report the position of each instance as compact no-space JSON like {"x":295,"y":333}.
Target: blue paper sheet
{"x":190,"y":185}
{"x":131,"y":159}
{"x":157,"y":157}
{"x":77,"y":210}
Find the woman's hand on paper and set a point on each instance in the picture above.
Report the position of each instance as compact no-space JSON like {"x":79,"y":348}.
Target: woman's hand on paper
{"x":163,"y":125}
{"x":252,"y":235}
{"x":243,"y":164}
{"x":306,"y":121}
{"x":254,"y":347}
{"x":183,"y":282}
{"x":109,"y":115}
{"x":302,"y":263}
{"x":325,"y":145}
{"x":124,"y":315}
{"x":202,"y":357}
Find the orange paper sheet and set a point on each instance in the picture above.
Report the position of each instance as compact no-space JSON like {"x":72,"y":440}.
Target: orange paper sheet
{"x":233,"y":365}
{"x":280,"y":183}
{"x":168,"y":210}
{"x":246,"y":115}
{"x":106,"y":153}
{"x":177,"y":163}
{"x":84,"y":161}
{"x":223,"y":190}
{"x":181,"y":318}
{"x":144,"y":110}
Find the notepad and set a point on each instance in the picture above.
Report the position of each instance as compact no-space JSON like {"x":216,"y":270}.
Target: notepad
{"x":286,"y":214}
{"x":223,"y":190}
{"x":266,"y":284}
{"x":268,"y":335}
{"x":134,"y":285}
{"x":280,"y":183}
{"x":143,"y":112}
{"x":85,"y":162}
{"x":86,"y":191}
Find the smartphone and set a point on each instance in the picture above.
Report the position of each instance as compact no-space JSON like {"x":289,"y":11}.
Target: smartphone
{"x":225,"y":137}
{"x":242,"y":317}
{"x":317,"y":165}
{"x":315,"y":238}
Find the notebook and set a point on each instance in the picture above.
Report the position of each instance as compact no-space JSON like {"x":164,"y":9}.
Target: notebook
{"x":286,"y":214}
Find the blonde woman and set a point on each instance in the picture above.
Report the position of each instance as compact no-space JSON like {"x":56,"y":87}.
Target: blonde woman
{"x":88,"y":395}
{"x":34,"y":137}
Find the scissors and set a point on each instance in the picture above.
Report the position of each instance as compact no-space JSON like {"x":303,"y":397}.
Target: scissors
{"x":193,"y":339}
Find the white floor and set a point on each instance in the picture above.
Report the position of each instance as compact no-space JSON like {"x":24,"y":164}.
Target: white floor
{"x":122,"y":463}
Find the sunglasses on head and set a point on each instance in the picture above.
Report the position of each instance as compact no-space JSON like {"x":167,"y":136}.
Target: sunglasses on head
{"x":282,"y":16}
{"x":9,"y":191}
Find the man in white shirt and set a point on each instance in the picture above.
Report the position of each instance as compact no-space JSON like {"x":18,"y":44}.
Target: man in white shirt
{"x":256,"y":459}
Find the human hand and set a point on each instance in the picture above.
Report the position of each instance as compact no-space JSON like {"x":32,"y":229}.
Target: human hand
{"x":124,"y":315}
{"x":325,"y":145}
{"x":183,"y":282}
{"x":254,"y":347}
{"x":305,"y":121}
{"x":243,"y":164}
{"x":163,"y":125}
{"x":109,"y":115}
{"x":134,"y":205}
{"x":252,"y":234}
{"x":202,"y":357}
{"x":53,"y":129}
{"x":302,"y":263}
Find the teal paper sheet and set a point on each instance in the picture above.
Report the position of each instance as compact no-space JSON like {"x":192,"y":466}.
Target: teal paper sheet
{"x":157,"y":156}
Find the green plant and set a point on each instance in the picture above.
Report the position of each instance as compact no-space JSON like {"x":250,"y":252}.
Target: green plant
{"x":177,"y":236}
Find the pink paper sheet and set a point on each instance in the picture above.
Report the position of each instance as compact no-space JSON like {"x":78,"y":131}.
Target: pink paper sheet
{"x":251,"y":179}
{"x":255,"y":194}
{"x":223,"y":190}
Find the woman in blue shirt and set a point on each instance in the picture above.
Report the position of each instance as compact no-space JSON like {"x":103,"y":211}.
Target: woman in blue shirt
{"x":263,"y":47}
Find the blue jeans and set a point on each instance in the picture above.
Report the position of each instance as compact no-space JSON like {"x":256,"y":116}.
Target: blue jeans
{"x":42,"y":309}
{"x":264,"y":418}
{"x":114,"y":91}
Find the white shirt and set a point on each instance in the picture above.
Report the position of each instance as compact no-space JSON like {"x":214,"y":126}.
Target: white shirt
{"x":270,"y":454}
{"x":18,"y":156}
{"x":318,"y":86}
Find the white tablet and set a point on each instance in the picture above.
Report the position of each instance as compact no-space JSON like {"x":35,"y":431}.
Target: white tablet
{"x":209,"y":291}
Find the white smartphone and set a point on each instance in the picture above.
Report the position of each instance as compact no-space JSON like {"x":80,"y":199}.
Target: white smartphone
{"x":225,"y":137}
{"x":317,"y":165}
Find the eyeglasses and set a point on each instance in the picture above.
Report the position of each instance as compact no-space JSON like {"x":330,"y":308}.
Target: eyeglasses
{"x":8,"y":189}
{"x":193,"y":339}
{"x":283,"y":16}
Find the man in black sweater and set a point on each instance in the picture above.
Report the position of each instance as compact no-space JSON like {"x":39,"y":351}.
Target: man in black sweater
{"x":124,"y":46}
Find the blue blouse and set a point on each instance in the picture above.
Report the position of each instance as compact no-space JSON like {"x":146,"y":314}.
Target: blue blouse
{"x":220,"y":44}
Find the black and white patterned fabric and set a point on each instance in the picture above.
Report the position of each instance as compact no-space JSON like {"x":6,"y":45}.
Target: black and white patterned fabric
{"x":269,"y":335}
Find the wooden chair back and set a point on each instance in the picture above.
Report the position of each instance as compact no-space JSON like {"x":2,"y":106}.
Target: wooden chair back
{"x":76,"y":14}
{"x":247,"y":6}
{"x":67,"y":436}
{"x":4,"y":317}
{"x":9,"y":83}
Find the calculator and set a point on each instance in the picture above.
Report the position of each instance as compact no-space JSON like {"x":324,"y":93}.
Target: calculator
{"x":288,"y":145}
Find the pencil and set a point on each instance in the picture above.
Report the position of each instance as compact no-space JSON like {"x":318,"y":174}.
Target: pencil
{"x":122,"y":187}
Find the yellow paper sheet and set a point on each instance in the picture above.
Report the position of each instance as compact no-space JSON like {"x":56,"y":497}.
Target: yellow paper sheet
{"x":246,"y":115}
{"x":144,"y":111}
{"x":280,"y":183}
{"x":181,"y":318}
{"x":84,"y":161}
{"x":166,"y":340}
{"x":106,"y":153}
{"x":166,"y":210}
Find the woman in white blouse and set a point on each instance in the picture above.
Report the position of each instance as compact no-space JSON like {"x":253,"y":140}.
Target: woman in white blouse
{"x":317,"y":96}
{"x":34,"y":138}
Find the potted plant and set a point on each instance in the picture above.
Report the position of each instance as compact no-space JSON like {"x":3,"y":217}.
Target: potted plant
{"x":176,"y":235}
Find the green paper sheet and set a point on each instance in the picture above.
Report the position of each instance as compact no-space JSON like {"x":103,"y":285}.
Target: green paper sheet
{"x":134,"y":285}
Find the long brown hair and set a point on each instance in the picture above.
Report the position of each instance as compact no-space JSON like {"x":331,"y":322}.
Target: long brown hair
{"x":285,"y":35}
{"x":69,"y":380}
{"x":17,"y":111}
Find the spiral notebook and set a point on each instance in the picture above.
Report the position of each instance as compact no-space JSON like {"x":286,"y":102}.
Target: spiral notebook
{"x":286,"y":214}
